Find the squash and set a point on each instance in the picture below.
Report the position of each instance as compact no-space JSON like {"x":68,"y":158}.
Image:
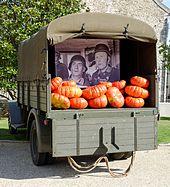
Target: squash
{"x":115,"y":97}
{"x":119,"y":84}
{"x":59,"y":101}
{"x":139,"y":81}
{"x":99,"y":102}
{"x":69,"y":91}
{"x":92,"y":92}
{"x":107,"y":84}
{"x":136,"y":91}
{"x":69,"y":83}
{"x":122,"y":91}
{"x":78,"y":103}
{"x":55,"y":83}
{"x":134,"y":102}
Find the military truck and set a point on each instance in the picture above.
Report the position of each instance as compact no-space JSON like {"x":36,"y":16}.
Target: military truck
{"x":73,"y":132}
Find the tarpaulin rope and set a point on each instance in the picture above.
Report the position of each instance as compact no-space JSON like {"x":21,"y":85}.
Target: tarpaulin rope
{"x":86,"y":169}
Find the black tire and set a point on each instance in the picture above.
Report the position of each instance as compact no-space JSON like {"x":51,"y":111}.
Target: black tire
{"x":127,"y":155}
{"x":37,"y":158}
{"x":115,"y":156}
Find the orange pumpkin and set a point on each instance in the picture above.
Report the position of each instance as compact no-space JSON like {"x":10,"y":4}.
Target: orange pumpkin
{"x":69,"y":83}
{"x":136,"y":91}
{"x":99,"y":102}
{"x":115,"y":97}
{"x":69,"y":91}
{"x":122,"y":91}
{"x":107,"y":84}
{"x":55,"y":83}
{"x":92,"y":92}
{"x":79,"y":103}
{"x":134,"y":102}
{"x":119,"y":84}
{"x":59,"y":101}
{"x":139,"y":81}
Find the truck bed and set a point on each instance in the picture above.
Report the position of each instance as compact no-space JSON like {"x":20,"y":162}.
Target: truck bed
{"x":102,"y":131}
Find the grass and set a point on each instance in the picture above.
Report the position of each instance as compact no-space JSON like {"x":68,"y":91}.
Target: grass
{"x":5,"y":132}
{"x":163,"y":131}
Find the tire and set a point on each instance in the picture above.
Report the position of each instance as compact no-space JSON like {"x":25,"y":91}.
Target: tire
{"x":116,"y":156}
{"x":37,"y":157}
{"x":127,"y":155}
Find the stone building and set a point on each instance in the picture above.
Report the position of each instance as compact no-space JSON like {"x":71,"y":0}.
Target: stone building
{"x":152,"y":12}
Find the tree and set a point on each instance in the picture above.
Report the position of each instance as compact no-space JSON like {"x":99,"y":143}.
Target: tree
{"x":19,"y":19}
{"x":164,"y":50}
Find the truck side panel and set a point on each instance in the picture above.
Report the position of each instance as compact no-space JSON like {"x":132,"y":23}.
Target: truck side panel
{"x":33,"y":94}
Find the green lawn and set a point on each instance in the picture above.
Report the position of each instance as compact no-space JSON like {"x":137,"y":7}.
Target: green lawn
{"x":163,"y":131}
{"x":5,"y":133}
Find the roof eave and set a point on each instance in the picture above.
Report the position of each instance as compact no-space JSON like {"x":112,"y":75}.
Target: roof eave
{"x":162,"y":6}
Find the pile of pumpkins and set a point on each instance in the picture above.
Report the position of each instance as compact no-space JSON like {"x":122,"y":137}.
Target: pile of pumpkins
{"x":66,"y":94}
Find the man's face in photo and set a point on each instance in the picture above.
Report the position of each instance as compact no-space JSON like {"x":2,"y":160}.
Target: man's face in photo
{"x":77,"y":68}
{"x":101,"y":59}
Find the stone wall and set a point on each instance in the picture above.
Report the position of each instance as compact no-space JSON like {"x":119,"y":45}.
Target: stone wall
{"x":145,"y":10}
{"x":149,"y":11}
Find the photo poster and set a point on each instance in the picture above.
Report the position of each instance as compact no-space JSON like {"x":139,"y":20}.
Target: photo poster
{"x":88,"y":61}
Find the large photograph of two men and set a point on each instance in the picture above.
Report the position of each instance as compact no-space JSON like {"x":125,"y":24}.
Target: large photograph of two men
{"x":88,"y":61}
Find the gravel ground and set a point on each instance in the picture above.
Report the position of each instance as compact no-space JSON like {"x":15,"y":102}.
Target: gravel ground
{"x":151,"y":168}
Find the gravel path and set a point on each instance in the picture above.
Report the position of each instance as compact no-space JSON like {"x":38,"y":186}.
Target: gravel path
{"x":151,"y":168}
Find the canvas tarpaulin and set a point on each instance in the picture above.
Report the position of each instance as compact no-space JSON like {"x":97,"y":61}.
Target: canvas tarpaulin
{"x":33,"y":52}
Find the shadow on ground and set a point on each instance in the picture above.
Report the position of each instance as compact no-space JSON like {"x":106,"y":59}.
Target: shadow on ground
{"x":16,"y":163}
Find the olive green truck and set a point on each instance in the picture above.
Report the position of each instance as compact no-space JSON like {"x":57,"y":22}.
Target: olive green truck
{"x":74,"y":132}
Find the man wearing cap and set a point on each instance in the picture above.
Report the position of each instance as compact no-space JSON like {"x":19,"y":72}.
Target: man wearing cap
{"x":104,"y":71}
{"x":78,"y":70}
{"x":61,"y":69}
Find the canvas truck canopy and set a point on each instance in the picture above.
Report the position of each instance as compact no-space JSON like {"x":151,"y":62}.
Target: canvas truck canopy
{"x":32,"y":53}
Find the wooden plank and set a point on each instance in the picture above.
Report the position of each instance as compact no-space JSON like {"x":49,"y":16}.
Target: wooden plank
{"x":92,"y":151}
{"x":65,"y":152}
{"x":65,"y":140}
{"x":145,"y":141}
{"x":145,"y":135}
{"x":145,"y":130}
{"x":109,"y":121}
{"x":34,"y":94}
{"x":142,"y":147}
{"x":91,"y":127}
{"x":42,"y":105}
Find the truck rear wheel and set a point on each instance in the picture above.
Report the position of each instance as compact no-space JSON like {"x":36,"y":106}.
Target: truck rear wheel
{"x":127,"y":155}
{"x":37,"y":157}
{"x":116,"y":156}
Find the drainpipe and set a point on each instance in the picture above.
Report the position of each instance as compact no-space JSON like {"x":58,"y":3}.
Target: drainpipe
{"x":164,"y":40}
{"x":167,"y":34}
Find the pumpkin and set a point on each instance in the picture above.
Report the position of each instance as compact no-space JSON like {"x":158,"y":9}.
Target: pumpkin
{"x":115,"y":97}
{"x":119,"y":84}
{"x":69,"y":83}
{"x":136,"y":91}
{"x":107,"y":84}
{"x":134,"y":102}
{"x":99,"y":102}
{"x":122,"y":91}
{"x":78,"y":103}
{"x":59,"y":101}
{"x":139,"y":81}
{"x":92,"y":92}
{"x":55,"y":83}
{"x":69,"y":91}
